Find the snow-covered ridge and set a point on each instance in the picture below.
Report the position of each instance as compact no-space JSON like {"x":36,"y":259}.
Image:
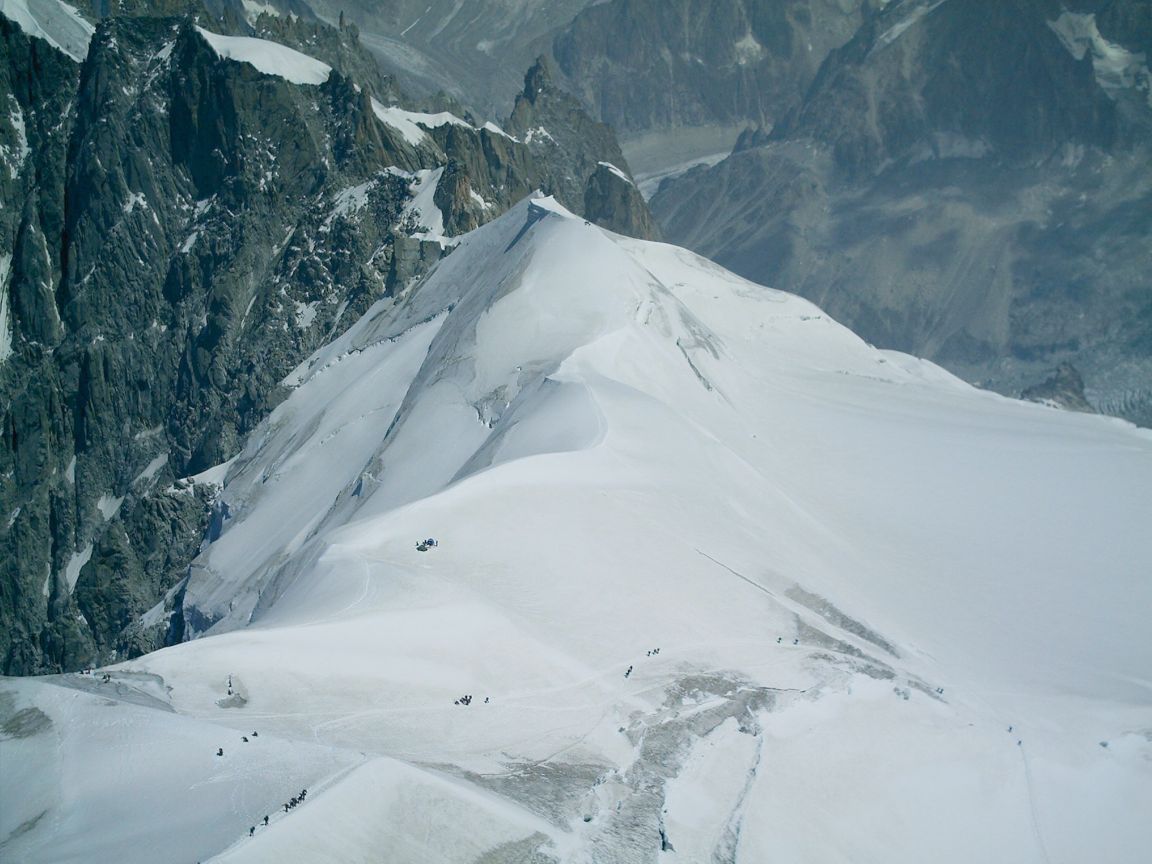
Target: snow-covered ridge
{"x":271,"y":58}
{"x":409,"y":123}
{"x":713,"y":574}
{"x":58,"y":24}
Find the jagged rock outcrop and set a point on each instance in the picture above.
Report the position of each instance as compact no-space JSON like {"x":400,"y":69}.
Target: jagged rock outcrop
{"x":578,"y":155}
{"x":179,"y":231}
{"x":1064,"y":389}
{"x":611,"y":199}
{"x":965,"y":181}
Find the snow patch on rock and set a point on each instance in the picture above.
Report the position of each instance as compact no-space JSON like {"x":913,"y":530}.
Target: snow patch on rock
{"x":271,"y":58}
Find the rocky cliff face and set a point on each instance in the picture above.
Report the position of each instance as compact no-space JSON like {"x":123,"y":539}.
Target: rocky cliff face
{"x":966,"y":181}
{"x":589,"y":174}
{"x":179,"y":230}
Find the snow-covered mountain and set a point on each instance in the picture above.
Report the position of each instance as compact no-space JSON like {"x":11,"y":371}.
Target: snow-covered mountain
{"x":720,"y":581}
{"x":188,"y":209}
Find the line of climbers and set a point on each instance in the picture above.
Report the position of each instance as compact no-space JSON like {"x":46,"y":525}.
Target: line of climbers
{"x":290,"y":804}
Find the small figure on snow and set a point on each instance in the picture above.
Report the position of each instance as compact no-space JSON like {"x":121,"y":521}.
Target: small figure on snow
{"x":244,"y":738}
{"x":265,"y":820}
{"x":251,"y":830}
{"x":220,"y":751}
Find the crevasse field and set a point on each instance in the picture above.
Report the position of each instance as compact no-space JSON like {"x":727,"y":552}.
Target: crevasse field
{"x":898,"y":619}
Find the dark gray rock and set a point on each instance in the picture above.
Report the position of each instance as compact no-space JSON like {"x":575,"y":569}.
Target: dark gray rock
{"x":572,"y":149}
{"x":1065,"y":388}
{"x":613,"y":201}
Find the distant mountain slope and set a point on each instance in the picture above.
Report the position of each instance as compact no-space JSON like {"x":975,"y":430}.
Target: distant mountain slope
{"x":644,"y":65}
{"x":712,"y":579}
{"x":477,"y":50}
{"x":967,"y":181}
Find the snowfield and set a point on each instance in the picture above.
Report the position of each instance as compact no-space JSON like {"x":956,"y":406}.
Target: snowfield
{"x":722,"y":582}
{"x":58,"y":24}
{"x":271,"y":58}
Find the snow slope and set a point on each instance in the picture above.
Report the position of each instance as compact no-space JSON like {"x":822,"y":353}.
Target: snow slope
{"x":58,"y":24}
{"x":858,"y":570}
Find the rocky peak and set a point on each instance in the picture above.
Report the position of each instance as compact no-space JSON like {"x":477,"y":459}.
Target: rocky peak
{"x":574,"y":149}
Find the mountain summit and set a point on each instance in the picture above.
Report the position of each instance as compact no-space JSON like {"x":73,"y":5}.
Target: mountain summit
{"x":708,"y":574}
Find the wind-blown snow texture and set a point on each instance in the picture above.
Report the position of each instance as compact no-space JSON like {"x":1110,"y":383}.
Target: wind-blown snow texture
{"x":898,"y":618}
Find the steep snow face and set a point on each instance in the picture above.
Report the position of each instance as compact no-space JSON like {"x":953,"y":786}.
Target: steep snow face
{"x":721,"y":582}
{"x":58,"y":24}
{"x":271,"y":58}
